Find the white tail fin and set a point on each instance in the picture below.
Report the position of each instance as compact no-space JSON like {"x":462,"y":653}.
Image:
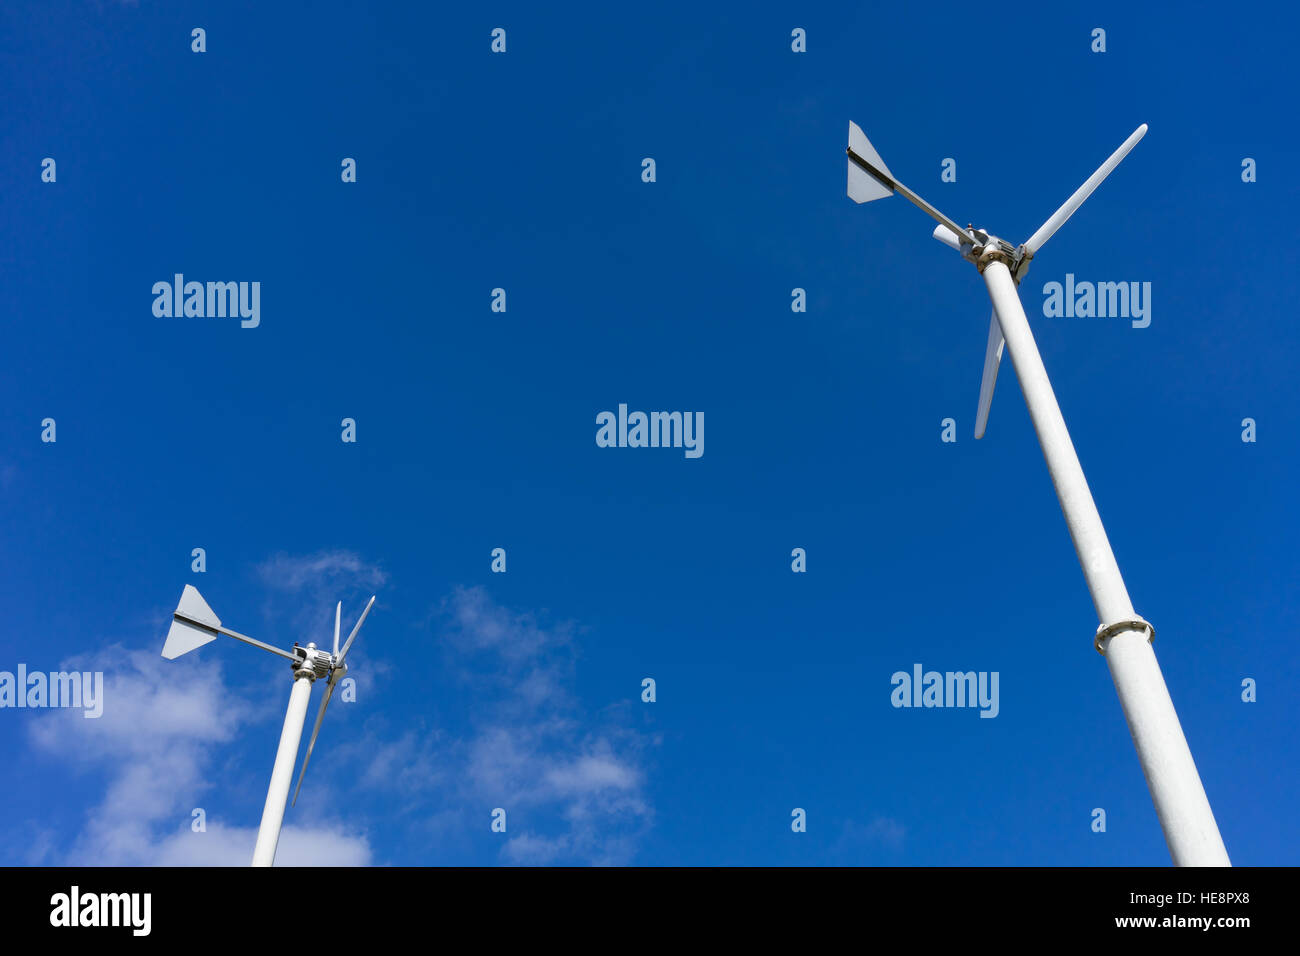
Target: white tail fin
{"x":864,"y":187}
{"x":185,"y":636}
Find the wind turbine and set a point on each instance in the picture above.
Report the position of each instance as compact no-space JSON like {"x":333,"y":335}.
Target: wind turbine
{"x":194,"y":624}
{"x":1123,"y":637}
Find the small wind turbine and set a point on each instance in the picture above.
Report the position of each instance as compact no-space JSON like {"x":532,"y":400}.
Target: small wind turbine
{"x":194,"y":624}
{"x":1123,"y":637}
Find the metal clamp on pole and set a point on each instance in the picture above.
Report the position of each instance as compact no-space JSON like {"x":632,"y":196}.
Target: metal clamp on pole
{"x":1107,"y":631}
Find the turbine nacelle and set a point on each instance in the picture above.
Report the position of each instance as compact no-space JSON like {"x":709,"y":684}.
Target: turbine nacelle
{"x":319,"y":663}
{"x":979,"y":242}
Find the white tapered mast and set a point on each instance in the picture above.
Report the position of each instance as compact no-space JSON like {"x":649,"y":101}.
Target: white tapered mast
{"x":268,"y":831}
{"x":1123,"y":637}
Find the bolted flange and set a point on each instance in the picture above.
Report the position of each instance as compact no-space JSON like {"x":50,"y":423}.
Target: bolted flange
{"x":995,"y":250}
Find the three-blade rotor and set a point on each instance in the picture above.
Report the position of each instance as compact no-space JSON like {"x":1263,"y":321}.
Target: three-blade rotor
{"x":338,"y":668}
{"x":869,"y":179}
{"x":194,"y":624}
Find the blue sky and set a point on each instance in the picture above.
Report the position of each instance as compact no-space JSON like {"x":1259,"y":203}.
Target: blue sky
{"x":475,"y":429}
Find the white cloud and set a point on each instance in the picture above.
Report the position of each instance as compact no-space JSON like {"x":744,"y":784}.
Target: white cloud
{"x":162,"y":724}
{"x":592,"y":774}
{"x":221,"y":845}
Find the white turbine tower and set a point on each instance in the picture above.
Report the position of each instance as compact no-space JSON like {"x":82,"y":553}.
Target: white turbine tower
{"x":194,"y":624}
{"x":1123,"y":637}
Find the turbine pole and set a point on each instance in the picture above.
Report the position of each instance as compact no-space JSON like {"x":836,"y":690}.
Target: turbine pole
{"x":1123,"y":638}
{"x":268,"y":834}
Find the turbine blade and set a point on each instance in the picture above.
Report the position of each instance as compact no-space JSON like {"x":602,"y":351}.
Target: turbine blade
{"x":329,"y":689}
{"x":992,"y":359}
{"x":1048,"y":229}
{"x":351,"y":637}
{"x":870,"y":183}
{"x":338,"y":614}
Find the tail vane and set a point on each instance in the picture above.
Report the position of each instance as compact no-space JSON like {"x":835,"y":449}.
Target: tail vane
{"x":869,"y":177}
{"x":193,"y":625}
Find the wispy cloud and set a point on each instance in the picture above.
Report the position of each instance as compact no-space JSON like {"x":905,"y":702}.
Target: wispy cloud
{"x":303,"y":589}
{"x":508,"y":655}
{"x":572,"y":785}
{"x":534,"y":748}
{"x":323,"y":569}
{"x":881,"y":832}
